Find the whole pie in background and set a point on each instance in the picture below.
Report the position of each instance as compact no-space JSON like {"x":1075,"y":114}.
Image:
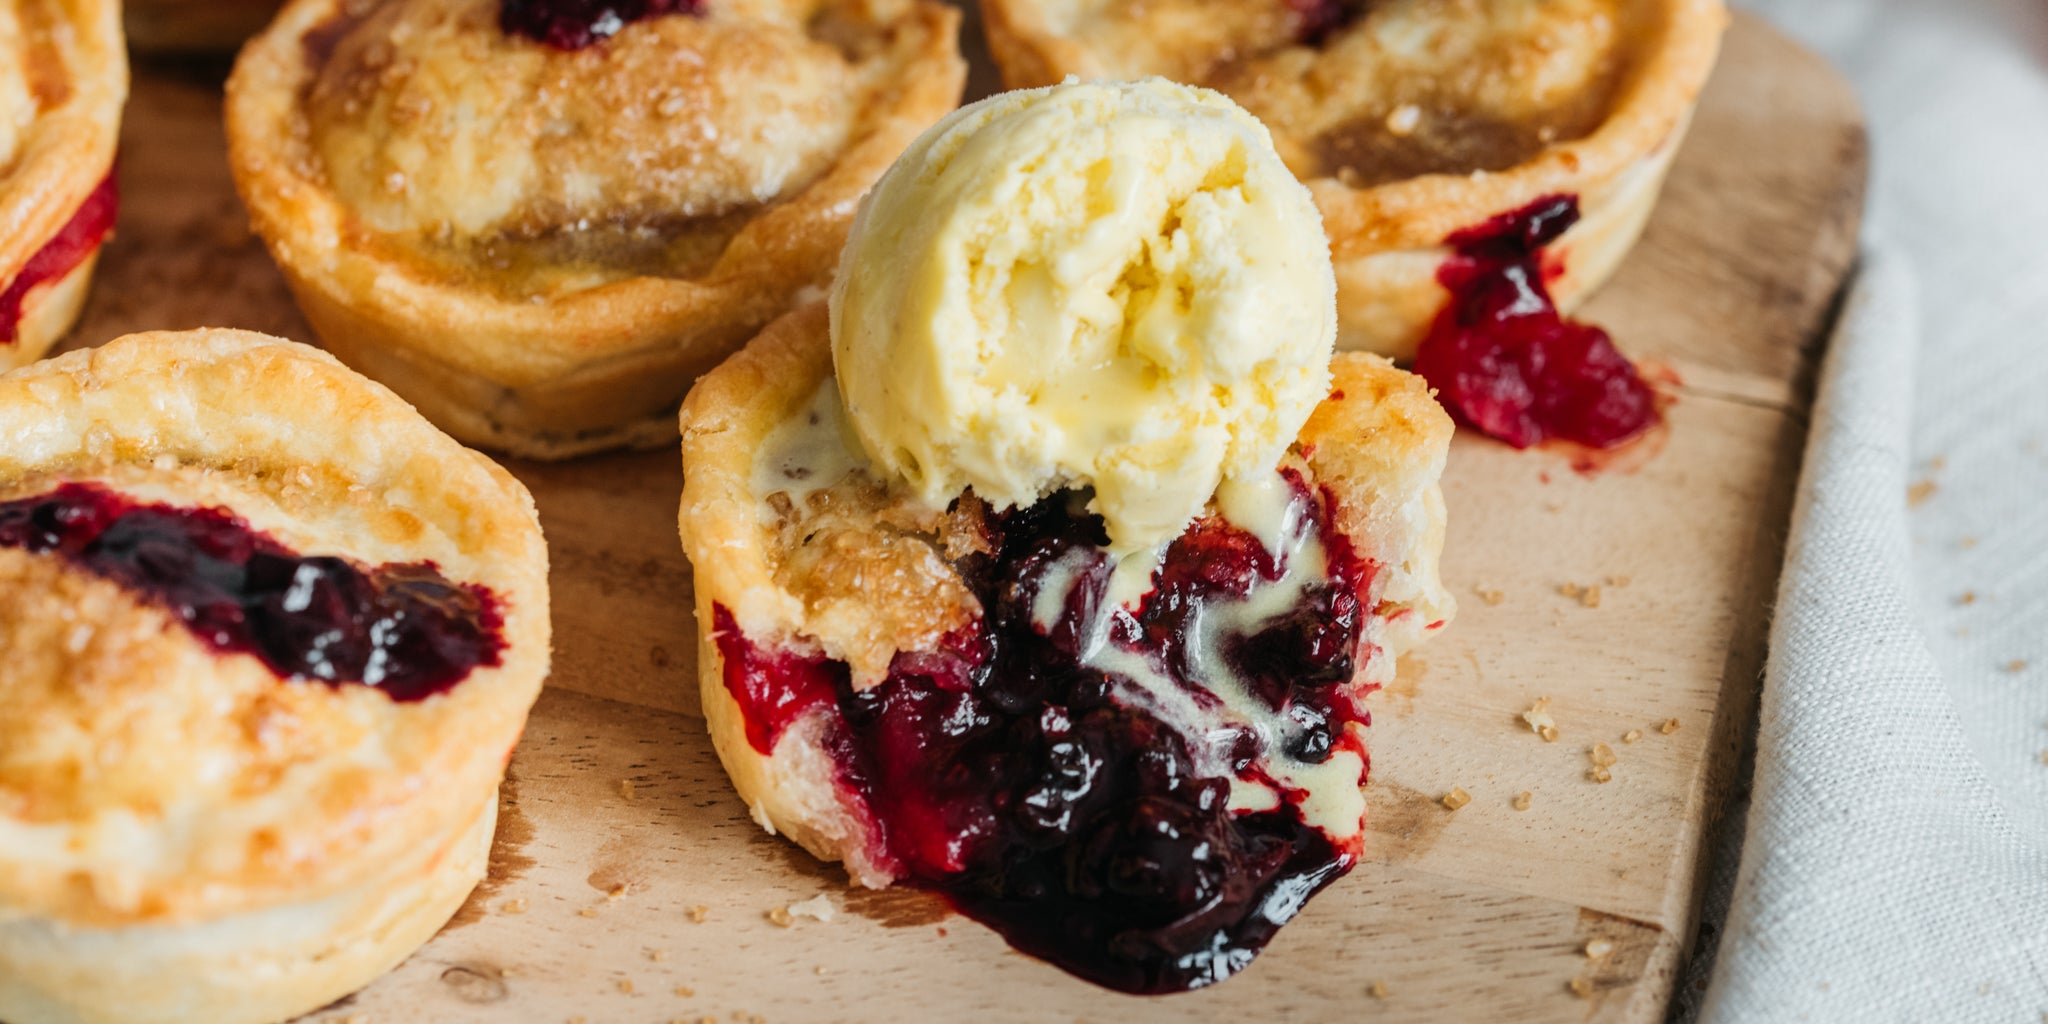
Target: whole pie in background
{"x":541,"y":229}
{"x":1412,"y":121}
{"x":63,"y":80}
{"x":270,"y":638}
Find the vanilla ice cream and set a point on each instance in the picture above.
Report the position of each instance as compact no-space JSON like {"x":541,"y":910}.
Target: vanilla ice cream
{"x":1116,"y":285}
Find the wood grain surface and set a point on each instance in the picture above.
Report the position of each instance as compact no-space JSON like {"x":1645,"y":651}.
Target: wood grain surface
{"x":628,"y":883}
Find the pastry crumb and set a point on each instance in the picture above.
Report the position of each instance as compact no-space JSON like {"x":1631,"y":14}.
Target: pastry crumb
{"x":1540,"y":722}
{"x":1489,"y":595}
{"x":685,"y":991}
{"x":1522,"y":800}
{"x":2016,"y":665}
{"x":626,"y":789}
{"x":1632,"y":736}
{"x":1918,"y":494}
{"x":1404,"y":120}
{"x":1598,"y":949}
{"x":1670,"y":726}
{"x":699,"y":913}
{"x":1601,"y":755}
{"x":516,"y":905}
{"x":1618,"y":581}
{"x":626,"y":985}
{"x":1456,"y":798}
{"x":1378,"y":990}
{"x":1601,"y":774}
{"x":820,"y":970}
{"x":587,"y":912}
{"x":1966,"y":543}
{"x":817,"y":908}
{"x":1967,"y":597}
{"x":657,"y":955}
{"x":1582,"y":987}
{"x":781,"y":917}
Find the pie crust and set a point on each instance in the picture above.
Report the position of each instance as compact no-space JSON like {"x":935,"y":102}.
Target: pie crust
{"x":1378,"y":446}
{"x":547,"y":273}
{"x":1417,"y":119}
{"x":184,"y":835}
{"x":63,"y":79}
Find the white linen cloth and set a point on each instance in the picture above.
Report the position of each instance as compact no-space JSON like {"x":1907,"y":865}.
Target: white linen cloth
{"x":1895,"y":860}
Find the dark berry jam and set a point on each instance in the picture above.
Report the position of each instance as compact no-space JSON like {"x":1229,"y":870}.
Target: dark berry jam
{"x":1044,"y":799}
{"x":404,"y":629}
{"x":575,"y":24}
{"x":1319,"y":18}
{"x":88,"y":226}
{"x":1503,"y":360}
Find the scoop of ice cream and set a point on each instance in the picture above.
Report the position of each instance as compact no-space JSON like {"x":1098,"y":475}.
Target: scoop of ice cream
{"x":1116,"y":285}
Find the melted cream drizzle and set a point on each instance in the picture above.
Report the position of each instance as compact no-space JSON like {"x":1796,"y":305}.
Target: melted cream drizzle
{"x":809,"y":451}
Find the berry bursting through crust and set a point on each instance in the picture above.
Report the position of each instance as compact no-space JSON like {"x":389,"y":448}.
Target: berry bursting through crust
{"x":404,"y":629}
{"x":1118,"y":790}
{"x":575,"y":24}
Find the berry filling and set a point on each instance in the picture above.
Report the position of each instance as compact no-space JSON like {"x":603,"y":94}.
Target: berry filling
{"x":404,"y":629}
{"x":1503,"y":360}
{"x":575,"y":24}
{"x":1140,"y":797}
{"x":1319,"y":18}
{"x":86,"y":229}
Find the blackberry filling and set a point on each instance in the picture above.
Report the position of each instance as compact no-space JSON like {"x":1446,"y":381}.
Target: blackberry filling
{"x":404,"y":629}
{"x":89,"y":225}
{"x":575,"y":24}
{"x":1119,"y":792}
{"x":1504,"y":361}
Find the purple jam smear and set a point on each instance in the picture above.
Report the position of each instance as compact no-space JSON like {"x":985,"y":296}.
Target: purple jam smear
{"x":1319,"y":18}
{"x":1003,"y":773}
{"x":88,"y":227}
{"x":575,"y":24}
{"x":1503,"y":360}
{"x":404,"y":629}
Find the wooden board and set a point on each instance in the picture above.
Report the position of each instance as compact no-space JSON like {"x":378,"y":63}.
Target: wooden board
{"x":591,"y":910}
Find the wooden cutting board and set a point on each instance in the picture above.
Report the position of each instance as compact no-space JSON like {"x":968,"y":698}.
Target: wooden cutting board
{"x":628,"y":883}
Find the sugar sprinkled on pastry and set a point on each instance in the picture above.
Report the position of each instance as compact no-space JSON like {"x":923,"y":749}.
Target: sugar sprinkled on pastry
{"x":540,"y":220}
{"x":269,"y":639}
{"x":1141,"y":788}
{"x":63,"y":79}
{"x":1482,"y":165}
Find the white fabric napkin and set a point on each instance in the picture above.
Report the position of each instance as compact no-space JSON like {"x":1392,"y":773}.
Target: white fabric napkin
{"x":1895,"y":859}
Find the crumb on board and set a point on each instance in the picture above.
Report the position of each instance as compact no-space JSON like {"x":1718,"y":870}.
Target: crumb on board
{"x":1967,"y":597}
{"x":780,"y":917}
{"x":1378,"y":990}
{"x":626,"y":788}
{"x":1601,"y":774}
{"x":1918,"y":494}
{"x":587,"y":912}
{"x":515,"y":905}
{"x":1966,"y":543}
{"x":626,"y":985}
{"x":1581,"y":986}
{"x":817,"y":908}
{"x":1522,"y":800}
{"x":1670,"y":726}
{"x":1632,"y":736}
{"x":1601,"y":755}
{"x":699,"y":913}
{"x":1540,"y":722}
{"x":1456,"y":798}
{"x":2016,"y":665}
{"x":1618,"y":581}
{"x":820,"y":970}
{"x":685,"y":991}
{"x":657,"y":955}
{"x":1598,"y":949}
{"x":1587,"y":595}
{"x":1490,"y":595}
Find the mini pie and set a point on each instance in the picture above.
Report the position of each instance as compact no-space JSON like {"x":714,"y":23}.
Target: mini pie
{"x":1414,"y":120}
{"x":63,"y":78}
{"x":541,"y":244}
{"x":269,"y":639}
{"x":923,"y":693}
